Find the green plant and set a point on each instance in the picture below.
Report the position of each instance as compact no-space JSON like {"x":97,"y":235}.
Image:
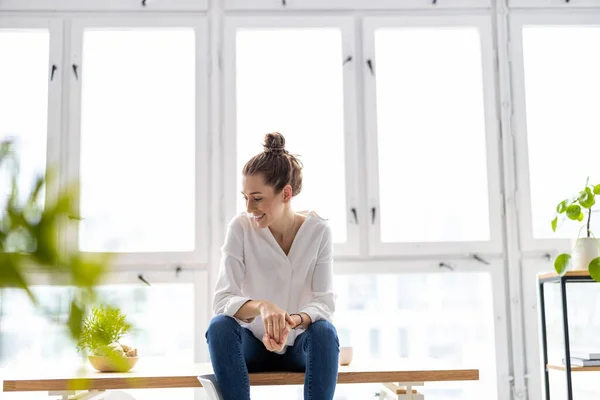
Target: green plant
{"x":29,"y":240}
{"x":575,"y":209}
{"x":104,"y":326}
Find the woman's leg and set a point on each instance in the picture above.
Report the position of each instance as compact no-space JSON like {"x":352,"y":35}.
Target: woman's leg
{"x":233,"y":352}
{"x":315,"y":351}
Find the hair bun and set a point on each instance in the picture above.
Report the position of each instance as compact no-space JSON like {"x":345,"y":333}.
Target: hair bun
{"x":274,"y":142}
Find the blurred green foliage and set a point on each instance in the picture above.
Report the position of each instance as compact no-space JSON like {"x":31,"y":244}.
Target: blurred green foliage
{"x":30,"y":240}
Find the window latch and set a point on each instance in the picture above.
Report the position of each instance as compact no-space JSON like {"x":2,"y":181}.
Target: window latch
{"x":370,"y":65}
{"x":54,"y":68}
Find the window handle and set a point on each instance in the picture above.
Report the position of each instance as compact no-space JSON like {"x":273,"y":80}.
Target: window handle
{"x":75,"y":67}
{"x":370,"y":65}
{"x":373,"y":212}
{"x":54,"y":68}
{"x":355,"y":215}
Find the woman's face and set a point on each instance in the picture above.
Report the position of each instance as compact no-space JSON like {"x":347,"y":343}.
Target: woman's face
{"x":262,"y":203}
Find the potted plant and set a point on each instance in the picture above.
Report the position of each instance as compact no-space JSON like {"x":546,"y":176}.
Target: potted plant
{"x":101,"y":333}
{"x":585,"y":250}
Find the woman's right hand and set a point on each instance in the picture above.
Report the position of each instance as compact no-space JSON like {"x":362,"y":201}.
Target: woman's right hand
{"x":275,"y":320}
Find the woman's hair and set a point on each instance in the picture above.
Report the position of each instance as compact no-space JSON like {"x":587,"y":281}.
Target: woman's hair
{"x":276,"y":165}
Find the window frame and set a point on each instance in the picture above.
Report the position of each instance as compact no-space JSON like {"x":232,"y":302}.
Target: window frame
{"x":532,"y":324}
{"x":54,"y":136}
{"x":523,"y":193}
{"x":72,"y":150}
{"x":555,"y":4}
{"x":492,"y":137}
{"x":353,"y":4}
{"x":103,"y":5}
{"x":232,"y":175}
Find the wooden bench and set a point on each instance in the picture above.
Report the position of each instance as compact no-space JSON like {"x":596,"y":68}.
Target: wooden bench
{"x":397,"y":380}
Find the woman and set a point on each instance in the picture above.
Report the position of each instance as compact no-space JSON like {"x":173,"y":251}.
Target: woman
{"x":273,"y":299}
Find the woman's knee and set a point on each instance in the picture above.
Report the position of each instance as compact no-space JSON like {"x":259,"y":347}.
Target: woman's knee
{"x":323,"y":330}
{"x":222,"y":326}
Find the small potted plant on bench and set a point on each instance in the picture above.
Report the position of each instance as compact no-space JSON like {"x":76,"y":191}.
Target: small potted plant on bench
{"x":101,"y":332}
{"x":586,"y":251}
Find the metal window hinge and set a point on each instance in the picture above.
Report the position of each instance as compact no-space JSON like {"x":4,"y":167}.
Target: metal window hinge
{"x":141,"y":278}
{"x":480,"y":259}
{"x":447,"y":266}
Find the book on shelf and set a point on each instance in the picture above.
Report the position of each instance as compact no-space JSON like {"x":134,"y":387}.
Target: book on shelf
{"x":585,"y":354}
{"x":582,"y":362}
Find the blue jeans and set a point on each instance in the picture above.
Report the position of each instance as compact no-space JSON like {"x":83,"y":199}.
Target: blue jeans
{"x":234,"y":352}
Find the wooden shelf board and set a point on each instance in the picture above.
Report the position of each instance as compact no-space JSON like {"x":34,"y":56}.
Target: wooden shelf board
{"x":573,"y":368}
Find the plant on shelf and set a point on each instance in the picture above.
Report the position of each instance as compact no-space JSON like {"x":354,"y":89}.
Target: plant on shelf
{"x":586,"y":250}
{"x":101,"y":334}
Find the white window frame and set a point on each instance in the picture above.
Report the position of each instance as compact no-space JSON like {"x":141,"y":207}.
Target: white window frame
{"x":531,"y":326}
{"x":559,"y":4}
{"x":232,"y":175}
{"x":201,"y":248}
{"x":523,"y":196}
{"x":53,"y":131}
{"x":492,"y":124}
{"x":499,"y":290}
{"x":353,"y":4}
{"x":103,"y":5}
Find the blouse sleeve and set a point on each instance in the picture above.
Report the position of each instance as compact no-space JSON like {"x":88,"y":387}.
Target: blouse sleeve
{"x":228,"y":297}
{"x":322,"y":305}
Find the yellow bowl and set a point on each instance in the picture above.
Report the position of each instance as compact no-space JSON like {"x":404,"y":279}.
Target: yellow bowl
{"x":105,"y":364}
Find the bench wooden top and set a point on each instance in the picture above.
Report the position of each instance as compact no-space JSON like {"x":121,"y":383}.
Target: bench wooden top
{"x":153,"y":376}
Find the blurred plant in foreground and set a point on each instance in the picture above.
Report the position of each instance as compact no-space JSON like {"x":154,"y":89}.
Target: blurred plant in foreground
{"x":30,"y":240}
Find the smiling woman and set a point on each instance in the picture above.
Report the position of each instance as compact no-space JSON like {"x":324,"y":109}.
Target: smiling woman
{"x":274,"y":298}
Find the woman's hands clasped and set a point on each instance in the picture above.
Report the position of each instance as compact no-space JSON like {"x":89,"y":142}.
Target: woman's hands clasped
{"x":277,"y":324}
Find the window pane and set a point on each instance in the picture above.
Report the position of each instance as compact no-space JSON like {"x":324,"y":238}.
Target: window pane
{"x":24,"y":101}
{"x":450,"y":321}
{"x":137,"y":140}
{"x":563,"y":123}
{"x":291,"y":81}
{"x":431,"y":135}
{"x":162,"y":315}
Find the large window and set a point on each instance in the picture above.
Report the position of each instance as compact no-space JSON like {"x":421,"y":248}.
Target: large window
{"x":25,"y":57}
{"x":562,"y":123}
{"x":163,"y":316}
{"x":432,"y":128}
{"x":292,"y":80}
{"x":449,"y":321}
{"x":138,"y":135}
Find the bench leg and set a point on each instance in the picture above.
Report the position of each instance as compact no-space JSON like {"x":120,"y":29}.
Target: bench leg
{"x":209,"y":383}
{"x":401,"y":391}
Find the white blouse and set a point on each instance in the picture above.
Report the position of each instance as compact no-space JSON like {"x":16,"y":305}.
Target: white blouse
{"x":254,"y":267}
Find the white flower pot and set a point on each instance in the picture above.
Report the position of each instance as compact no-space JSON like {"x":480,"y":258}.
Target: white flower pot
{"x":584,"y":251}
